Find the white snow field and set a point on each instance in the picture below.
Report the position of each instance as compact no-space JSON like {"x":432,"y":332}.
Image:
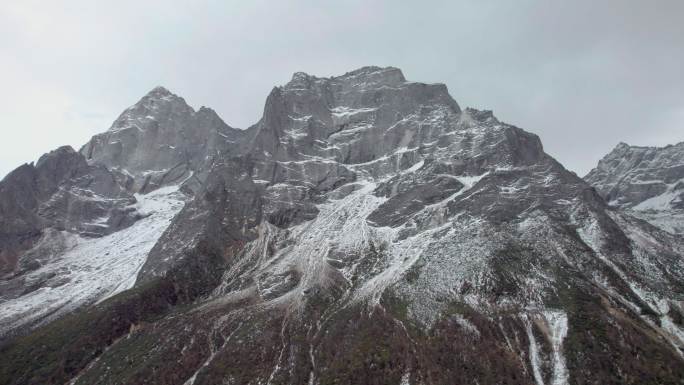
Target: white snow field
{"x":93,"y":269}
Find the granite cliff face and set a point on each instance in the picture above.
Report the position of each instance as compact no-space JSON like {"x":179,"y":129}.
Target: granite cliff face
{"x":160,"y":141}
{"x":646,"y":181}
{"x":62,"y":192}
{"x":365,"y":230}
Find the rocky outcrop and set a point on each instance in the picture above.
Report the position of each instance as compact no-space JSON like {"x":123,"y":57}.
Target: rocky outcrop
{"x":61,"y":192}
{"x":161,"y":141}
{"x":646,"y":181}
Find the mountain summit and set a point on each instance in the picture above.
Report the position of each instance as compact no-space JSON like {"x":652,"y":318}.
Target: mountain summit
{"x":647,"y":181}
{"x":160,"y":140}
{"x":365,"y":230}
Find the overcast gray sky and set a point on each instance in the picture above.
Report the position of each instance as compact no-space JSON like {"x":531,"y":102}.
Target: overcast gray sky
{"x":583,"y":75}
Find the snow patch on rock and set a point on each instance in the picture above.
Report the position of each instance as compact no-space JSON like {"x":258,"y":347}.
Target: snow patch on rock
{"x":558,"y":327}
{"x":94,"y":269}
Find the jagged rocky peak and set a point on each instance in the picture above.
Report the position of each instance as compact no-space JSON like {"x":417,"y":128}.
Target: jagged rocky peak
{"x":648,"y":181}
{"x":352,"y":118}
{"x":161,"y":92}
{"x":62,"y":192}
{"x":326,"y":132}
{"x":635,"y":162}
{"x":365,"y":76}
{"x":376,"y":75}
{"x":363,"y":80}
{"x":56,"y":165}
{"x":159,"y":103}
{"x":160,"y":140}
{"x":365,"y":87}
{"x":61,"y":153}
{"x":43,"y":178}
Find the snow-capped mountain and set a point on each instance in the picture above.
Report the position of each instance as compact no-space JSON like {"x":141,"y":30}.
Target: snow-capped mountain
{"x":367,"y":230}
{"x":648,"y":182}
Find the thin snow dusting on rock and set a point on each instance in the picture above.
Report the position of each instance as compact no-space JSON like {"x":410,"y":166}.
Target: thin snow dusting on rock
{"x":365,"y":230}
{"x":646,"y":181}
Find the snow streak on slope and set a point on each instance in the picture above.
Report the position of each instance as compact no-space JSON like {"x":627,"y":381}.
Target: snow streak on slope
{"x":558,"y":327}
{"x":93,"y":269}
{"x":642,"y":246}
{"x":339,"y":228}
{"x":557,"y":324}
{"x":534,"y":352}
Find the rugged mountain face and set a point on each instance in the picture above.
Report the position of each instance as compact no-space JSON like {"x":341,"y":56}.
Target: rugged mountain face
{"x":367,"y":230}
{"x":160,"y":141}
{"x":77,"y":226}
{"x":61,"y":192}
{"x":646,"y":181}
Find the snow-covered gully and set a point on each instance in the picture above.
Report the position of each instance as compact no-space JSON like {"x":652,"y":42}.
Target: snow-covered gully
{"x":94,"y":269}
{"x":556,"y":322}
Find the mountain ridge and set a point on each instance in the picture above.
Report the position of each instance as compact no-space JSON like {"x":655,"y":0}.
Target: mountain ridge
{"x":647,"y":181}
{"x":365,"y":229}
